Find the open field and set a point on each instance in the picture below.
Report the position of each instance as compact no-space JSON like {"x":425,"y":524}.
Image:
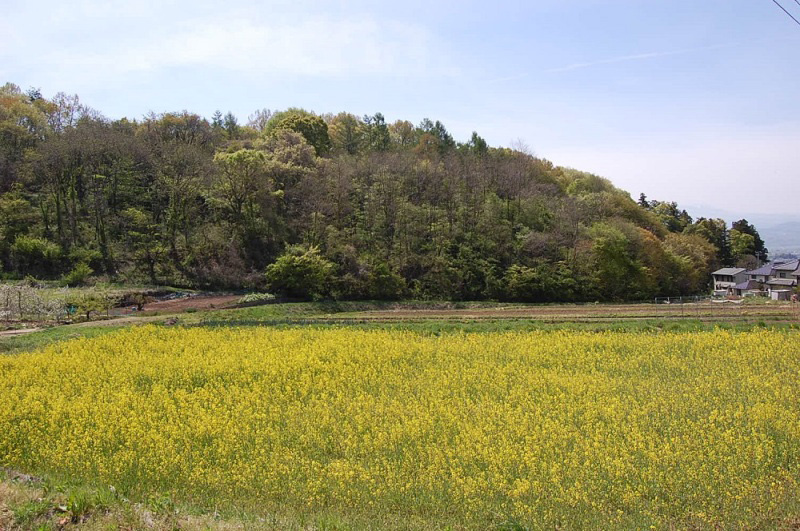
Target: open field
{"x":705,"y":311}
{"x":389,"y":312}
{"x":380,"y":428}
{"x":423,"y":316}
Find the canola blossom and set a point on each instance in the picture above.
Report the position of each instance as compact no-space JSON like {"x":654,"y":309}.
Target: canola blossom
{"x":556,"y":428}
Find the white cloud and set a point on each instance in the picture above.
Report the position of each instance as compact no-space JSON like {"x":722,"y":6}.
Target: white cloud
{"x":636,"y":57}
{"x":249,"y":43}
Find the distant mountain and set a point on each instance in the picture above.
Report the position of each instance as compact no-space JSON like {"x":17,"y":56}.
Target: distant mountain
{"x":780,"y":232}
{"x":781,"y":238}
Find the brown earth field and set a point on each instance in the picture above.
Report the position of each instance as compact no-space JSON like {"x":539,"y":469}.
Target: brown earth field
{"x":705,"y":311}
{"x":177,"y":305}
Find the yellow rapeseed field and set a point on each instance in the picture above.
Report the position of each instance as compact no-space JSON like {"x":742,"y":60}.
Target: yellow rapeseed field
{"x":559,"y":428}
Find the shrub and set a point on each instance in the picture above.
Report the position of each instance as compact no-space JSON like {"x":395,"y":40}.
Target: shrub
{"x":36,"y":256}
{"x":385,"y":284}
{"x":542,"y":282}
{"x":78,"y":275}
{"x":85,"y":303}
{"x":301,"y":273}
{"x":254,"y":298}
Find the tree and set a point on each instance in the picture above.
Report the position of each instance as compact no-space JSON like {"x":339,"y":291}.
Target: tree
{"x":182,"y":147}
{"x":384,"y":284}
{"x":245,"y":193}
{"x":17,"y":216}
{"x":86,"y":302}
{"x":541,"y":283}
{"x":346,"y":133}
{"x":259,"y":119}
{"x":383,"y":210}
{"x":312,"y":127}
{"x":742,"y":245}
{"x":442,"y":138}
{"x":715,"y":231}
{"x":477,"y":145}
{"x":23,"y":124}
{"x":36,"y":256}
{"x":217,"y":121}
{"x":695,"y":258}
{"x":66,"y":111}
{"x":616,"y":271}
{"x":302,"y":273}
{"x":376,"y":132}
{"x":402,"y":133}
{"x":759,"y":250}
{"x":673,"y":218}
{"x":231,"y":126}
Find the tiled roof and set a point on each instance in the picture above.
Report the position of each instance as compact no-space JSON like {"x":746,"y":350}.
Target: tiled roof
{"x":765,"y":269}
{"x":788,"y":266}
{"x":782,"y":282}
{"x":730,"y":271}
{"x":748,"y":284}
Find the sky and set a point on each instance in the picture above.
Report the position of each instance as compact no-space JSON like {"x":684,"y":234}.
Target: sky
{"x":683,"y":100}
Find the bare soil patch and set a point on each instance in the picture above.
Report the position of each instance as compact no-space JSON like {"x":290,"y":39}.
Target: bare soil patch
{"x":591,"y":311}
{"x":18,"y":332}
{"x":177,"y":305}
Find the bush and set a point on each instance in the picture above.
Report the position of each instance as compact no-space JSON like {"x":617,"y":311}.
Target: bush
{"x":78,"y":275}
{"x":36,"y":256}
{"x":301,"y":273}
{"x":541,"y":283}
{"x":84,"y":303}
{"x":385,"y":284}
{"x":255,"y":298}
{"x":91,"y":257}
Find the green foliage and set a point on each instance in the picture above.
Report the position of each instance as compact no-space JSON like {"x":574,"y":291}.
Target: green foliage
{"x":742,"y":245}
{"x":85,"y":302}
{"x":616,"y":271}
{"x":90,"y":257}
{"x":542,"y":283}
{"x":301,"y":273}
{"x":668,"y":213}
{"x":400,"y":210}
{"x":36,"y":256}
{"x":384,"y":284}
{"x":346,"y":133}
{"x":78,"y":275}
{"x":716,"y":233}
{"x":755,"y":248}
{"x":26,"y":513}
{"x":312,"y":127}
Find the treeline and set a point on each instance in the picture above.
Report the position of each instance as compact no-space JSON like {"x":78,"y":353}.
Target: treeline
{"x":330,"y":206}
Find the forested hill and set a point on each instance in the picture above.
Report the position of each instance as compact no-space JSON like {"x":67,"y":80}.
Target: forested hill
{"x":329,"y":206}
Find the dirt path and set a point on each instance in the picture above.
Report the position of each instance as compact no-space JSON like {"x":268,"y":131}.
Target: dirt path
{"x":164,"y":309}
{"x":18,"y":332}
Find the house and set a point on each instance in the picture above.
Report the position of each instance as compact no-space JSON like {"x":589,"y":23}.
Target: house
{"x":748,"y":288}
{"x":760,"y":274}
{"x":776,"y":280}
{"x":786,"y":269}
{"x":727,"y":278}
{"x":783,"y":280}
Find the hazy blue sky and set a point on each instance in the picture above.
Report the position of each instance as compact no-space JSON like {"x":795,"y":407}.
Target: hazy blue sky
{"x":686,"y":100}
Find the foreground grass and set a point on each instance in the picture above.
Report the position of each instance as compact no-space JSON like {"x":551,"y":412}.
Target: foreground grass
{"x":399,"y":429}
{"x":28,"y":502}
{"x":28,"y":342}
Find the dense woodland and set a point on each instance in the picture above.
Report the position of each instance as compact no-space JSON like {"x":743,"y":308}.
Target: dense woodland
{"x":315,"y":206}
